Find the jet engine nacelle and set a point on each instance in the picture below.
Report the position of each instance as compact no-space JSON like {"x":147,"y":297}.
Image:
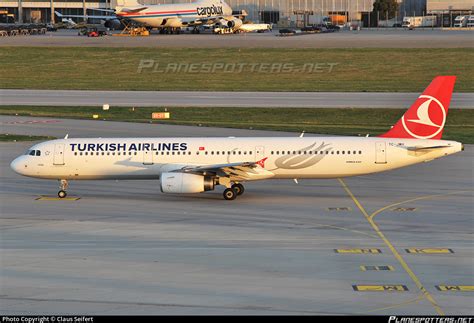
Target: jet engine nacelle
{"x":114,"y":24}
{"x":233,"y":23}
{"x":185,"y":183}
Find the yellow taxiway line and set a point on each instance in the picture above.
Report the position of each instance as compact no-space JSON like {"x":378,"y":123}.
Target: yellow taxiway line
{"x":426,"y":197}
{"x":397,"y":255}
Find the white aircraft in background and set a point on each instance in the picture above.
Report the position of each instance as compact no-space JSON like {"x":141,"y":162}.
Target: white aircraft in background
{"x":169,"y":16}
{"x":201,"y":12}
{"x":194,"y":165}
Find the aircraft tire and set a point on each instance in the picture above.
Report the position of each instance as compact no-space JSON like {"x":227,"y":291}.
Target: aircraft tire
{"x":62,"y":194}
{"x":238,"y":188}
{"x":230,"y":194}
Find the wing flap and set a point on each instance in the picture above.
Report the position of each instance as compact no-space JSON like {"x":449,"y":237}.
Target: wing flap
{"x":235,"y":171}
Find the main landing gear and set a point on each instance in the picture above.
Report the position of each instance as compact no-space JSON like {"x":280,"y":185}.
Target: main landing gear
{"x":234,"y":191}
{"x":62,"y":188}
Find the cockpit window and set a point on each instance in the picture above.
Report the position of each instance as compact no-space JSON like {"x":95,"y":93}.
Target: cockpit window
{"x":33,"y":152}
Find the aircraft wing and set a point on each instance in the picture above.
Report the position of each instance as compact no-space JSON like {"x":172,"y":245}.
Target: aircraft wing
{"x":241,"y":171}
{"x":134,"y":10}
{"x":60,"y":15}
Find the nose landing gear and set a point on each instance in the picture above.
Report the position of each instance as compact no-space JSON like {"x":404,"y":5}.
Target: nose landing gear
{"x":62,"y":188}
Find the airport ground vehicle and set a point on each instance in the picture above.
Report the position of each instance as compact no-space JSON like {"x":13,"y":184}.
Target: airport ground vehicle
{"x":195,"y":165}
{"x":22,"y":29}
{"x":417,"y":22}
{"x":93,"y":31}
{"x":470,"y":21}
{"x":461,"y":21}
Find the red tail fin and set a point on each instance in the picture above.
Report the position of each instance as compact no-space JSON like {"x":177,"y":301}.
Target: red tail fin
{"x":426,"y":117}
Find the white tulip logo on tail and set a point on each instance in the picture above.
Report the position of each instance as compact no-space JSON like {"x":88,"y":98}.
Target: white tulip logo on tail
{"x":428,"y":121}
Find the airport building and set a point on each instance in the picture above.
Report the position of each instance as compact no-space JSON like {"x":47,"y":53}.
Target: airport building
{"x":285,"y":13}
{"x":447,"y":10}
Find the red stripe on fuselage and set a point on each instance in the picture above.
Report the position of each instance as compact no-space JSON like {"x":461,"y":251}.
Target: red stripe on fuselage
{"x":155,"y":12}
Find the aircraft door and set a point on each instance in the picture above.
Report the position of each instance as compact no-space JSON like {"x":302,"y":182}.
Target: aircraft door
{"x":259,"y":153}
{"x":58,"y":158}
{"x":380,"y":153}
{"x":148,"y":157}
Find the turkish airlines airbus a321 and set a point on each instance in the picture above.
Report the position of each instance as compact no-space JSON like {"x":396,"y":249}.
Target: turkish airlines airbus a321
{"x":195,"y":165}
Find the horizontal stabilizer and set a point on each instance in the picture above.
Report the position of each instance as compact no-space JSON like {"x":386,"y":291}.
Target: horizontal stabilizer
{"x":418,"y":148}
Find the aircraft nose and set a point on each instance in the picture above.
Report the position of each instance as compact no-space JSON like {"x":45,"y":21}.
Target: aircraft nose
{"x":18,"y":165}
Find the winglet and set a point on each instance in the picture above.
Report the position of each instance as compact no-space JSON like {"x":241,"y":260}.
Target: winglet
{"x":427,"y":116}
{"x":261,"y":162}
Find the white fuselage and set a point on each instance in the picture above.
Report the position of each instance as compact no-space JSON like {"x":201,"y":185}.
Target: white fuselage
{"x":148,"y":158}
{"x":177,"y":15}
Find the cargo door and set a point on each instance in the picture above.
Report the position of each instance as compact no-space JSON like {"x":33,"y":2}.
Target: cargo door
{"x":380,"y":153}
{"x":58,"y":158}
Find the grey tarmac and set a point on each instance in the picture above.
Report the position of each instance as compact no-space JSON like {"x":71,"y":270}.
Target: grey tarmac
{"x":125,"y":248}
{"x":365,"y":38}
{"x":220,"y":99}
